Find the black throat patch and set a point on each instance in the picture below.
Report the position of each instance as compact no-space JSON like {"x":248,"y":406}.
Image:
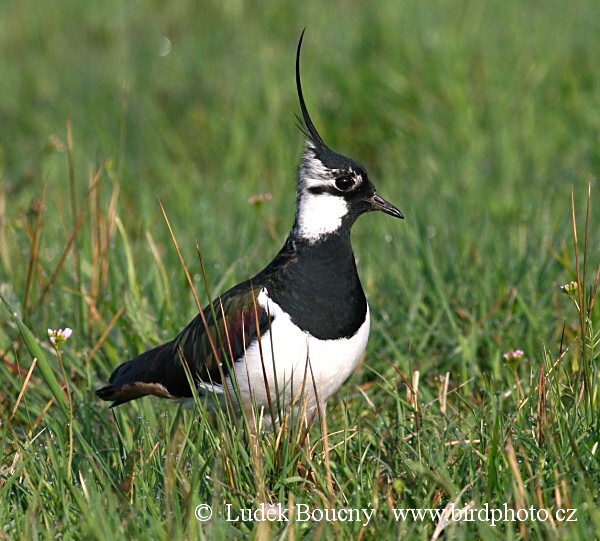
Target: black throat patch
{"x":318,"y":286}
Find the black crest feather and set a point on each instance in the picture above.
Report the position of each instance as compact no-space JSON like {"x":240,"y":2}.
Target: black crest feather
{"x":310,"y":130}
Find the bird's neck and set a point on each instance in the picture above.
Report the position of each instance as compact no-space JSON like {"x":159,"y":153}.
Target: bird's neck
{"x":318,"y":285}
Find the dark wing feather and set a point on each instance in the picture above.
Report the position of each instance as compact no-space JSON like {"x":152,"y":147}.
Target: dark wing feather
{"x":238,"y":321}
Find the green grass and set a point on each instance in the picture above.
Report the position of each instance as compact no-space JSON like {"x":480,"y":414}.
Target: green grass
{"x":476,"y":119}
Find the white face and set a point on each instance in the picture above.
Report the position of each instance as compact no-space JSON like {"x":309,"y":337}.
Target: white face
{"x":321,"y":205}
{"x":318,"y":215}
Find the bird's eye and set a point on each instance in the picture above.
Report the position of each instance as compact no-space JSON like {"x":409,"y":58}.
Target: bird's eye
{"x":343,"y":183}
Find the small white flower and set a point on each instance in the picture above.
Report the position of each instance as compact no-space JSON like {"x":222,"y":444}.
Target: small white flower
{"x":514,"y":355}
{"x":571,"y":287}
{"x":59,"y":336}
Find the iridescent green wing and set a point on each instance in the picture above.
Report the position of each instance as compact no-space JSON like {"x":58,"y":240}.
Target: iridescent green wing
{"x":214,"y":340}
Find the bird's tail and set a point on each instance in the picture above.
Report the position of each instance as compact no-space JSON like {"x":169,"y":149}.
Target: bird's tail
{"x":147,"y":374}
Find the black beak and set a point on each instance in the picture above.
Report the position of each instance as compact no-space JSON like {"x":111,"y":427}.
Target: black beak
{"x":379,"y":203}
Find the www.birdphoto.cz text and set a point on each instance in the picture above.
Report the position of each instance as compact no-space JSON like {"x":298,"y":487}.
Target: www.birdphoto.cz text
{"x":452,"y":513}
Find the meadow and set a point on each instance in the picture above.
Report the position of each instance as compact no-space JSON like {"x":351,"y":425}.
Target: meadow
{"x":479,"y":389}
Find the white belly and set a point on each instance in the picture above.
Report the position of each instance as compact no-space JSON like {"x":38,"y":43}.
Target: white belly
{"x":294,"y":364}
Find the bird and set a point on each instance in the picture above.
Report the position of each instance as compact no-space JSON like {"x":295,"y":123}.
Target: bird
{"x":296,"y":329}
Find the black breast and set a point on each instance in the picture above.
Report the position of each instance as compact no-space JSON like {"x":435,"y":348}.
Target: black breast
{"x":318,"y":286}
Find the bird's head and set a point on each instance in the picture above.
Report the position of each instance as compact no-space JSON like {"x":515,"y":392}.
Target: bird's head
{"x":333,"y":190}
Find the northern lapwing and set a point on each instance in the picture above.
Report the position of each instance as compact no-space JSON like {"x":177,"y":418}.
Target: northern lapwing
{"x":301,"y":324}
